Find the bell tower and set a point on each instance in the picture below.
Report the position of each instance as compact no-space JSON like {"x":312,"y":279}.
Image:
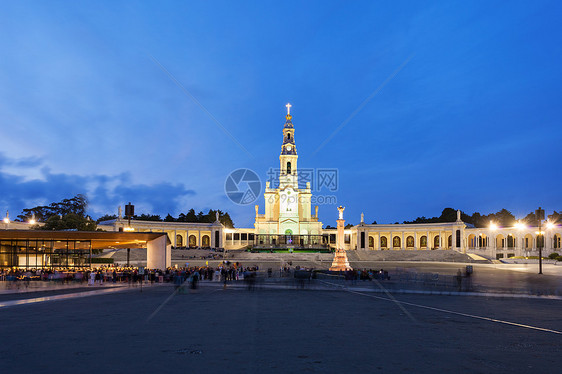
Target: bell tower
{"x":288,"y":158}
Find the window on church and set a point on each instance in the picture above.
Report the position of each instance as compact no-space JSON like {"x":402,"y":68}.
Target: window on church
{"x":229,"y":236}
{"x":347,"y":238}
{"x":236,"y":236}
{"x":288,"y":168}
{"x":251,"y":237}
{"x":244,"y":236}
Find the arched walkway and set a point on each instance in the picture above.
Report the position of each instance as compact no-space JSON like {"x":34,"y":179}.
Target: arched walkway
{"x":205,"y":241}
{"x":192,"y":241}
{"x":471,"y":241}
{"x":511,"y":241}
{"x":500,"y":241}
{"x":384,"y":242}
{"x":410,"y":242}
{"x":396,"y":242}
{"x":423,"y":242}
{"x":179,"y":240}
{"x":371,"y":242}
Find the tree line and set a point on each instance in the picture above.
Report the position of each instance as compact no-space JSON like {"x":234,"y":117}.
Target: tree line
{"x":190,"y":216}
{"x":70,"y":214}
{"x":503,"y":218}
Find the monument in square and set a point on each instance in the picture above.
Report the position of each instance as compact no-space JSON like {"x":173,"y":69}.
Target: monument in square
{"x":340,"y":262}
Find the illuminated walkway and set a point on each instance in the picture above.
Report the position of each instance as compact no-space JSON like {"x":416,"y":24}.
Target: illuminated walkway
{"x":66,"y":296}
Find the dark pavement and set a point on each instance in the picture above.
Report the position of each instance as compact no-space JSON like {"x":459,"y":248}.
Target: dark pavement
{"x":239,"y":331}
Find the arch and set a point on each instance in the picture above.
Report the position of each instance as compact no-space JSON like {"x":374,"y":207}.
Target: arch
{"x":471,"y":241}
{"x":396,"y":242}
{"x":511,"y":241}
{"x":556,"y":241}
{"x":384,"y":242}
{"x":288,"y":167}
{"x":423,"y":241}
{"x":528,"y":241}
{"x":288,"y":232}
{"x":410,"y":242}
{"x":500,"y":241}
{"x":482,"y":240}
{"x":371,"y":242}
{"x":205,"y":241}
{"x":289,"y":135}
{"x":450,"y":241}
{"x":192,"y":241}
{"x":436,"y":241}
{"x":179,"y":240}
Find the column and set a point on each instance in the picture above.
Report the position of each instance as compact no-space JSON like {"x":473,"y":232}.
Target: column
{"x":175,"y":239}
{"x":402,"y":244}
{"x":199,"y":238}
{"x":428,"y":241}
{"x":440,"y":241}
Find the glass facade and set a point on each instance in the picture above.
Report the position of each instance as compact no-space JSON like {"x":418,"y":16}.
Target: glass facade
{"x":33,"y":253}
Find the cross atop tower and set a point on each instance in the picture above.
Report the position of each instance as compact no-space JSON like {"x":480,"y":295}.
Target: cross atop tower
{"x":288,"y":108}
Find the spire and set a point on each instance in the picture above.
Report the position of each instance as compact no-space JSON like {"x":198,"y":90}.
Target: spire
{"x":289,"y":146}
{"x":288,"y":117}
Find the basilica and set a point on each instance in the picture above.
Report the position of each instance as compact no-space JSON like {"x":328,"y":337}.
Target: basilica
{"x":288,"y":222}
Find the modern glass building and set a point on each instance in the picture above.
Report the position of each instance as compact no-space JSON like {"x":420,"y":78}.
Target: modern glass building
{"x":33,"y":253}
{"x":72,"y":249}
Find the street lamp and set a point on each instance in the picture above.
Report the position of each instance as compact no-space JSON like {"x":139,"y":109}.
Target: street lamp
{"x":539,"y":215}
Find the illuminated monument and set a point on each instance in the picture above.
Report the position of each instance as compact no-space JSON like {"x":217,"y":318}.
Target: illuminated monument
{"x":340,"y":262}
{"x":288,"y":207}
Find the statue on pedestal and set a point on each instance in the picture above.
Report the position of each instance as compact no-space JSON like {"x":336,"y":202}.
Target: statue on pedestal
{"x":341,"y":209}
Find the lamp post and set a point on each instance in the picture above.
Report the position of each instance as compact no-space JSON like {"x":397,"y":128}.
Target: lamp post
{"x":539,"y":215}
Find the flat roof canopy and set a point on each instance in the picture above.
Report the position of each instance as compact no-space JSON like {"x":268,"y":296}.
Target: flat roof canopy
{"x":99,"y":239}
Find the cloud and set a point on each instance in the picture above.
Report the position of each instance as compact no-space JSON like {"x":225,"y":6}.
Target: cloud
{"x":104,"y":192}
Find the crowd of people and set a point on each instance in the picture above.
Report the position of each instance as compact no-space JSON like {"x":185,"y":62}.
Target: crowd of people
{"x":118,"y":274}
{"x":226,"y":272}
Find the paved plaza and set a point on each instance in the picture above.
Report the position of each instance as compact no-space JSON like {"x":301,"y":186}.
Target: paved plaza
{"x":318,"y":329}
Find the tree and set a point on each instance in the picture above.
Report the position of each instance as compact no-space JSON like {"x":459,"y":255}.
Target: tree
{"x":555,"y":217}
{"x":505,"y":218}
{"x":148,"y":217}
{"x":76,"y":205}
{"x":169,"y":218}
{"x":70,"y":221}
{"x":106,"y":217}
{"x":191,"y":216}
{"x":200,"y":217}
{"x":225,"y":219}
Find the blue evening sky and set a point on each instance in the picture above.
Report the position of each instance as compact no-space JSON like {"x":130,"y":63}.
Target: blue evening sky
{"x":438,"y":104}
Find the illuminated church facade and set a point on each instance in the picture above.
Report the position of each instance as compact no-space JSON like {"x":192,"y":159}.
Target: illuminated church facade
{"x":287,"y":207}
